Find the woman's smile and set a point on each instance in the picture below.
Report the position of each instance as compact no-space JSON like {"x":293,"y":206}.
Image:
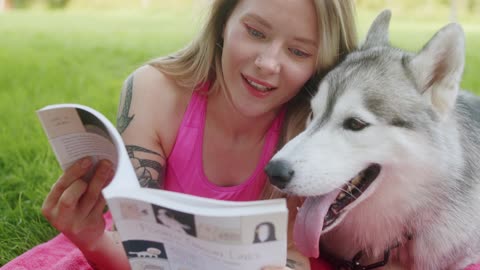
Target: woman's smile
{"x":257,"y":88}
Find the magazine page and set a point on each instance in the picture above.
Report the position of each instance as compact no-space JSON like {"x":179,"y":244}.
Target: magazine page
{"x":162,"y":229}
{"x":164,"y":232}
{"x":75,"y":131}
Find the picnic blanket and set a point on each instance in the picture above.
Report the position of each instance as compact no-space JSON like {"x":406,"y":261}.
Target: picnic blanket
{"x":57,"y":254}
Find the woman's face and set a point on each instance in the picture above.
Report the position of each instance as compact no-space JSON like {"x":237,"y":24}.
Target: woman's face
{"x":269,"y":52}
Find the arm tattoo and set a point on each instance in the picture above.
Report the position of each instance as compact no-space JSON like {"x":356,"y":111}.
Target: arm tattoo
{"x":150,"y":173}
{"x":292,"y":264}
{"x":124,"y":119}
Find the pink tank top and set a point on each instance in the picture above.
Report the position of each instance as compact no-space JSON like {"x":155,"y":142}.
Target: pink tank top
{"x":184,"y":169}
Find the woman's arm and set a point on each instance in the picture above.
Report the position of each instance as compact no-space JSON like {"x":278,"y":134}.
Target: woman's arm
{"x":147,"y":119}
{"x":150,"y":112}
{"x":108,"y":253}
{"x":136,"y":124}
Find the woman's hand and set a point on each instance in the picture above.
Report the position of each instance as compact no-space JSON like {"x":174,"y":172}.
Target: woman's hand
{"x":75,"y":206}
{"x":295,"y":261}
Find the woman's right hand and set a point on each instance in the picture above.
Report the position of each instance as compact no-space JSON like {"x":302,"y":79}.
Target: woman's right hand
{"x":75,"y":206}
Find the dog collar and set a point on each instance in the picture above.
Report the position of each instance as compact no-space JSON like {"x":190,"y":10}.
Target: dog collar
{"x":354,"y":263}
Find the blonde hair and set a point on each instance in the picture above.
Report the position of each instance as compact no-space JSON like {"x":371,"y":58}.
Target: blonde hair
{"x":200,"y":60}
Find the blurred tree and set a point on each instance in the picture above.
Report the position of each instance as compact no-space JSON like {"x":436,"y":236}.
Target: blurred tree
{"x":453,"y":10}
{"x":449,"y":9}
{"x":57,"y":4}
{"x":145,"y":3}
{"x":472,"y":5}
{"x":22,"y":3}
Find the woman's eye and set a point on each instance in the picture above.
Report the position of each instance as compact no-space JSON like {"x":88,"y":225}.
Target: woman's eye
{"x":254,"y":32}
{"x":354,"y":124}
{"x":299,"y":53}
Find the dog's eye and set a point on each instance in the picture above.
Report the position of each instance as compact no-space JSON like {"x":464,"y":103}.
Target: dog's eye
{"x":354,"y":124}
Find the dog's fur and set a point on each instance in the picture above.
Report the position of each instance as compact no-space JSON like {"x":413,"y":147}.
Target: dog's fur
{"x":422,"y":130}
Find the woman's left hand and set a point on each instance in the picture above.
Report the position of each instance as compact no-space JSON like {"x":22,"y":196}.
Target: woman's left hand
{"x":295,"y":261}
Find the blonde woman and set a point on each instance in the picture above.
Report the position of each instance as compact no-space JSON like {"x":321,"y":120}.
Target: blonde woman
{"x":206,"y":120}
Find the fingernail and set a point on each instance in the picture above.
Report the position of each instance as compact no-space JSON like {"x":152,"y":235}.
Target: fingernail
{"x":86,"y":162}
{"x":113,"y":172}
{"x":106,"y":168}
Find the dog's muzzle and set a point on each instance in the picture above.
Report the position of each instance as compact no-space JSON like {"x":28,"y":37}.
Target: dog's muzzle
{"x":279,"y":173}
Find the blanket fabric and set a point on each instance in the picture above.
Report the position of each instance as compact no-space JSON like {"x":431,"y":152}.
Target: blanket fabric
{"x":61,"y":254}
{"x":56,"y":254}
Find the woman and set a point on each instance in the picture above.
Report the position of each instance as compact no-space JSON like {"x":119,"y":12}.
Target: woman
{"x":206,"y":120}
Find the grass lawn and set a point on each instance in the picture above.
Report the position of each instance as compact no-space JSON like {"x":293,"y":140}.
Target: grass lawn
{"x":55,"y":58}
{"x":83,"y":57}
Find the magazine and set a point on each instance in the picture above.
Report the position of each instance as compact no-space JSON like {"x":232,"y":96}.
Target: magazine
{"x":161,"y":229}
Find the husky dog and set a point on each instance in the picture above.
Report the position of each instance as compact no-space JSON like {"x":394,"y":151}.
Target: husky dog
{"x":388,"y":162}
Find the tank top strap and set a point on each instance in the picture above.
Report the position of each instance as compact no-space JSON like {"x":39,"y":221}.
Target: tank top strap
{"x":195,"y":114}
{"x":273,"y":137}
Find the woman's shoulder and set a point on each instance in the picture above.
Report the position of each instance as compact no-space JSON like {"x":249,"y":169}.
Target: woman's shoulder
{"x":159,"y":101}
{"x":153,"y":84}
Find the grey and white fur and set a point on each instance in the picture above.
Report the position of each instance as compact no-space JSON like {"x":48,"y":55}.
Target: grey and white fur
{"x":406,"y":113}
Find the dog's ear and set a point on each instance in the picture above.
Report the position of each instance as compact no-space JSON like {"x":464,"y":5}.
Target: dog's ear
{"x":438,"y":68}
{"x":378,"y":33}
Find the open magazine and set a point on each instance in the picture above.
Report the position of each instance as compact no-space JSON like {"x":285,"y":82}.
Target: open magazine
{"x":161,"y":229}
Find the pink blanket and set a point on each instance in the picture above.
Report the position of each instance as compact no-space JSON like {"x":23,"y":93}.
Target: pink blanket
{"x":473,"y":267}
{"x":61,"y":254}
{"x":56,"y":254}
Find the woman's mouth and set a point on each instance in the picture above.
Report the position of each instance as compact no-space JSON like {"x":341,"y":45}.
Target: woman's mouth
{"x":257,"y":88}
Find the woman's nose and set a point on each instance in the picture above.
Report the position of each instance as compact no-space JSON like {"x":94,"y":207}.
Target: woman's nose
{"x":268,"y":61}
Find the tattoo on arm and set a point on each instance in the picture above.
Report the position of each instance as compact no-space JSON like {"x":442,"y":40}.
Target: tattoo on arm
{"x":150,"y":173}
{"x":123,"y":119}
{"x":293,"y":264}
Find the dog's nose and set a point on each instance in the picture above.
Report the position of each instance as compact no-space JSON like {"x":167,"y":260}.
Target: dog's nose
{"x":279,"y":173}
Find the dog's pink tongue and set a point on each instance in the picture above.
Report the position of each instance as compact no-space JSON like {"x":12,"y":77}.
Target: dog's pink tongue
{"x":309,"y":223}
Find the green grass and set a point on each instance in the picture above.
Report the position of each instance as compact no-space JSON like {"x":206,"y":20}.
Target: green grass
{"x":83,"y":57}
{"x":54,"y":58}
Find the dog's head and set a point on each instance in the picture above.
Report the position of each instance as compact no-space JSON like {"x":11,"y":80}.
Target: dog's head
{"x":375,"y":119}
